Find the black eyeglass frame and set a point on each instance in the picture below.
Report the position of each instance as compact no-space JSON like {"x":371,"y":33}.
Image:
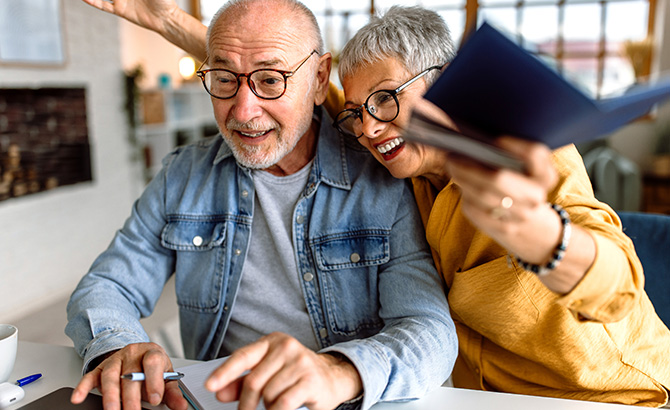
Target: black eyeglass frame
{"x":284,"y":73}
{"x":357,"y":112}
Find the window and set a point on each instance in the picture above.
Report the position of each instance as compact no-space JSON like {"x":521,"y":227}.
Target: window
{"x":584,"y":39}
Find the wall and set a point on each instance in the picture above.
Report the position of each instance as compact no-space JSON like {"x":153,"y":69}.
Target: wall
{"x":48,"y":240}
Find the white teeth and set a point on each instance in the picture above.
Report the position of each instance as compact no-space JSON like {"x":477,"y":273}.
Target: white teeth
{"x":257,"y":134}
{"x":383,"y":149}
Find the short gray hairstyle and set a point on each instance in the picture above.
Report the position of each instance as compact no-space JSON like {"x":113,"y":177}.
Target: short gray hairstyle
{"x":417,"y":37}
{"x":294,"y":5}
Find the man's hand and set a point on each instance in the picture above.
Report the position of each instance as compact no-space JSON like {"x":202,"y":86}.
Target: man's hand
{"x":140,"y":357}
{"x":285,"y":375}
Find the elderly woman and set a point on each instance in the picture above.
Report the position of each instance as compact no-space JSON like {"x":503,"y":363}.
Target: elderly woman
{"x":545,"y":289}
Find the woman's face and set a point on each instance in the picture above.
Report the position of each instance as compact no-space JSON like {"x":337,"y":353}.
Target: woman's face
{"x":384,"y":139}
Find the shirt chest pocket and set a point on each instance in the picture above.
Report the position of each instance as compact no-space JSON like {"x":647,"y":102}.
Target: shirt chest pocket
{"x":350,"y":276}
{"x":200,"y":258}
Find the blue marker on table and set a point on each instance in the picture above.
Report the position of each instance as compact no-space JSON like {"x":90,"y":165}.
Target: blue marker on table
{"x":168,"y":376}
{"x":28,"y":379}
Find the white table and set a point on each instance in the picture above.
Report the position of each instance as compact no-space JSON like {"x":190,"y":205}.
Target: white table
{"x":61,"y":367}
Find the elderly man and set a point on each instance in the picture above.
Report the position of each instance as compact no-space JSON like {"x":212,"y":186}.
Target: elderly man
{"x":294,"y":251}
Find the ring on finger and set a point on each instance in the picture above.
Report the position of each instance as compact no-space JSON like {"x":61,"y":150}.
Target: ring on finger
{"x":502,"y":211}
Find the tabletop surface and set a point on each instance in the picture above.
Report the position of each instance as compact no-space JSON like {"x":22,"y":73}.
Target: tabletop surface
{"x":61,"y":367}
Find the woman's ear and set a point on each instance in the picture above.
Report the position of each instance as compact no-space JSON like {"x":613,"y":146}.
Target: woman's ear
{"x":323,"y":78}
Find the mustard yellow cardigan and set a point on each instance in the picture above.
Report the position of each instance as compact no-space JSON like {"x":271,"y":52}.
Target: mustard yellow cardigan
{"x":517,"y":336}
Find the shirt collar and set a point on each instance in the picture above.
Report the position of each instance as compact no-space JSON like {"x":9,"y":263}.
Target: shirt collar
{"x":330,"y":165}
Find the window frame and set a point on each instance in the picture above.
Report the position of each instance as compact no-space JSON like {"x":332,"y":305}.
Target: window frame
{"x":472,"y":8}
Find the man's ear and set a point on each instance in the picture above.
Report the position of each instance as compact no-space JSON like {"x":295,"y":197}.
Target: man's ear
{"x":323,"y":78}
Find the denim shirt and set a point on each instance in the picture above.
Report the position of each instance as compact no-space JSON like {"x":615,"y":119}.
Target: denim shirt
{"x":374,"y":294}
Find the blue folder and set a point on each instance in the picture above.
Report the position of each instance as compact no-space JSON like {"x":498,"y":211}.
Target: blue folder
{"x":494,"y":87}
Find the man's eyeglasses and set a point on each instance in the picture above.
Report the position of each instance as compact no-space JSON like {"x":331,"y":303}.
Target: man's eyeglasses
{"x":382,"y":105}
{"x":265,"y":83}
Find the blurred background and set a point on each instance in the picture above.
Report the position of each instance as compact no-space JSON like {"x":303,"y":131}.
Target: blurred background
{"x":89,"y":104}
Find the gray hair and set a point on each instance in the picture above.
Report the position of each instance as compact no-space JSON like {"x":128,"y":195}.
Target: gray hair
{"x":293,"y":5}
{"x":418,"y":38}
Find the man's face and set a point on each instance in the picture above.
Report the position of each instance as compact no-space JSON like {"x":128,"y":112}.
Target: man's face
{"x":266,"y":134}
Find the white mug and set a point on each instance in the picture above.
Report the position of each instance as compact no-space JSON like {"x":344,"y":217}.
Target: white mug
{"x":9,"y":336}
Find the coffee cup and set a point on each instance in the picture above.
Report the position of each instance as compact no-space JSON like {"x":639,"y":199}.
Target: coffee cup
{"x":9,"y":337}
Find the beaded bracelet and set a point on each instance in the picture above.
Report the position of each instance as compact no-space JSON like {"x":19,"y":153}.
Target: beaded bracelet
{"x":559,"y":252}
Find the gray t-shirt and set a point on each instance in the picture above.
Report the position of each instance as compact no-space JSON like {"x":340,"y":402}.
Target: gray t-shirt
{"x":270,"y":296}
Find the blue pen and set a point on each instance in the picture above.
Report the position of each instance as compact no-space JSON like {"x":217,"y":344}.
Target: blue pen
{"x":29,"y":379}
{"x":168,"y":376}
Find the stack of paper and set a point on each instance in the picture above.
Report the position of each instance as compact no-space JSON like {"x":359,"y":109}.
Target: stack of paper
{"x":193,"y":386}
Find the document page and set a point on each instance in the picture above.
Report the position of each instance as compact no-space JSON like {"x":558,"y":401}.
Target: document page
{"x":193,"y":387}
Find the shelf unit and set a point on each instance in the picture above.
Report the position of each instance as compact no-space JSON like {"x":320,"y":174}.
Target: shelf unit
{"x":171,"y":117}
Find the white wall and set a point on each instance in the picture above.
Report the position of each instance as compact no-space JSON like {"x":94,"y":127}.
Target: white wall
{"x":49,"y":240}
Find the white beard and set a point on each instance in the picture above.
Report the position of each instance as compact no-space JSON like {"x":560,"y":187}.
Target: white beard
{"x":259,"y":157}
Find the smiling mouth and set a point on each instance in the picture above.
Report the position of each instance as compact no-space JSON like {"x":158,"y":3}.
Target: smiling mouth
{"x":389,"y":148}
{"x":253,"y":134}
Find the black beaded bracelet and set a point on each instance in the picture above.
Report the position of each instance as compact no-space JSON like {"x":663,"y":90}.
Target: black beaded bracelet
{"x":559,"y":252}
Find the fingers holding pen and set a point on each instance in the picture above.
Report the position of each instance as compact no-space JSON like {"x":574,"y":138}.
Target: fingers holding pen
{"x":139,"y":357}
{"x":154,"y":364}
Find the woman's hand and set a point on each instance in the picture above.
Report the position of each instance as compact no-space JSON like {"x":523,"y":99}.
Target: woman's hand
{"x":150,"y":14}
{"x":511,"y":207}
{"x":165,"y":18}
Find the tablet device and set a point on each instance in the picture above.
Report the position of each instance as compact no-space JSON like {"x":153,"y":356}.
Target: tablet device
{"x":60,"y":400}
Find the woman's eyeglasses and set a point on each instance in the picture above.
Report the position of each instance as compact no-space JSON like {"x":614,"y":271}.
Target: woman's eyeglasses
{"x":382,"y":105}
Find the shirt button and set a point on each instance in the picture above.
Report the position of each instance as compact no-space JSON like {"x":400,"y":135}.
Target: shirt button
{"x":245,"y":193}
{"x":197,"y":240}
{"x":238,"y":252}
{"x":308,"y":276}
{"x":323,"y":333}
{"x":355,"y":258}
{"x":300,"y":219}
